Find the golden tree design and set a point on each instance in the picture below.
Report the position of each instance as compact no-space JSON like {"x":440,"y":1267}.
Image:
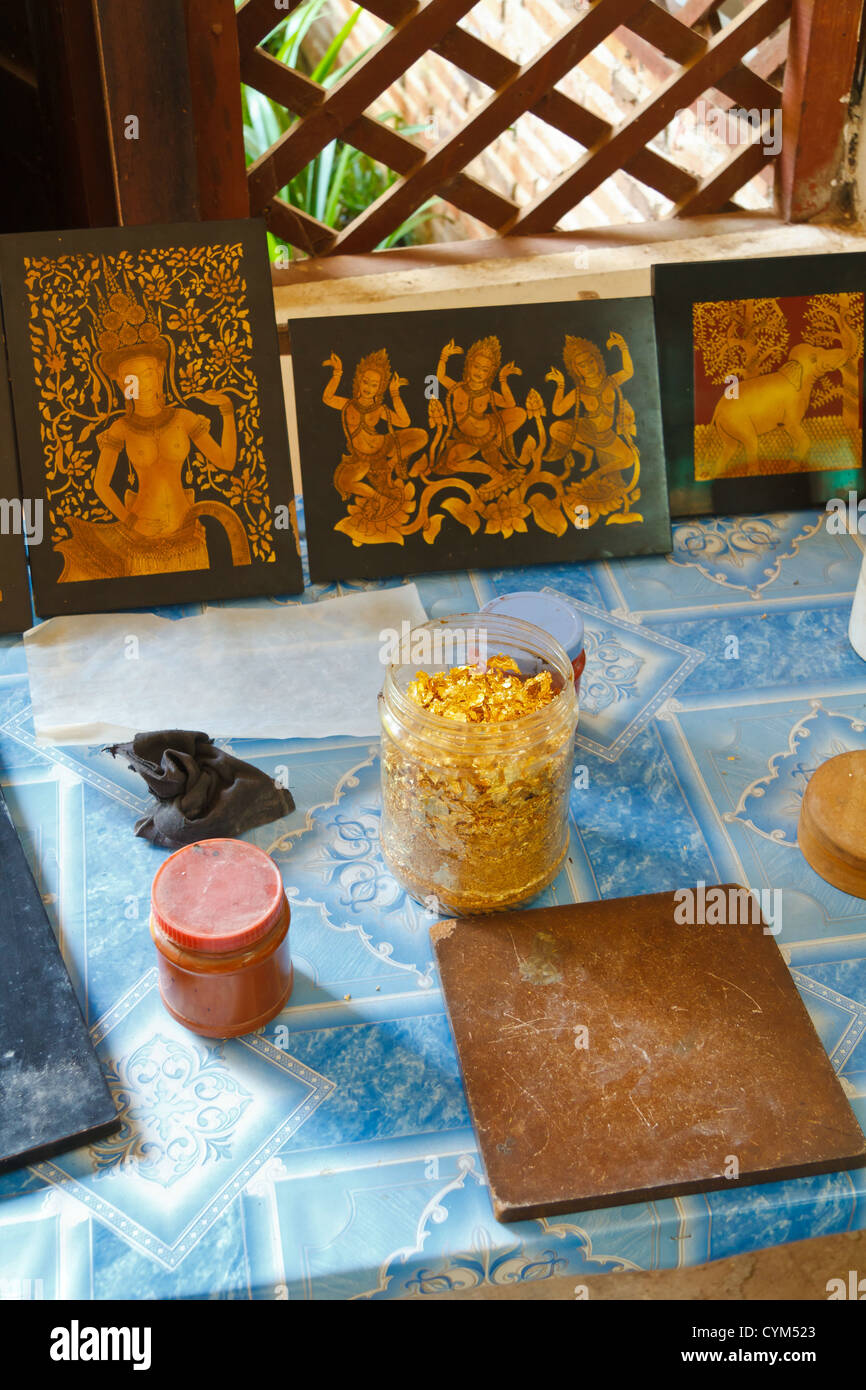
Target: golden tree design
{"x":740,"y":337}
{"x":836,"y":320}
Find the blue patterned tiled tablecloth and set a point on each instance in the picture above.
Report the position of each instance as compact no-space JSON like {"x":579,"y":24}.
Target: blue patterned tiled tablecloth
{"x":331,"y":1155}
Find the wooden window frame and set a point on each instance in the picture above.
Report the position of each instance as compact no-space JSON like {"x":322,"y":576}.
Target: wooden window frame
{"x":181,"y":80}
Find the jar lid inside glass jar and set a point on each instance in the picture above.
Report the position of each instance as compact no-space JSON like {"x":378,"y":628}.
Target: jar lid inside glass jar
{"x":217,"y":896}
{"x":546,"y":611}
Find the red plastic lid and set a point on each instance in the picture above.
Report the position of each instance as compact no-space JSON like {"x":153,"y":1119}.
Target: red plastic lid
{"x":217,"y":895}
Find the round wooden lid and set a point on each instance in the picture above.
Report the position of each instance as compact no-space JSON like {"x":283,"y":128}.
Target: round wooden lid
{"x":832,"y":827}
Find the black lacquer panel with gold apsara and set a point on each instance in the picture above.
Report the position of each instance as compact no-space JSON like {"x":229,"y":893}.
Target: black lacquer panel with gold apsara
{"x":150,"y":418}
{"x":509,"y":435}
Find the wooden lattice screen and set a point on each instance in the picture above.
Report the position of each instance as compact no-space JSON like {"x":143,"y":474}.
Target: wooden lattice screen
{"x":736,"y":60}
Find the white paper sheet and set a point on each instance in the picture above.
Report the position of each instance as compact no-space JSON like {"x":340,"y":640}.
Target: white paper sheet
{"x":288,"y":671}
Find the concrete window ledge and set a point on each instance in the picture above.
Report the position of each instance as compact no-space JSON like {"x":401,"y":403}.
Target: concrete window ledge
{"x":607,"y":262}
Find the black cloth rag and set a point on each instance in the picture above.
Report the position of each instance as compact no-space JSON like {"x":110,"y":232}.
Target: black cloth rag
{"x":202,"y":792}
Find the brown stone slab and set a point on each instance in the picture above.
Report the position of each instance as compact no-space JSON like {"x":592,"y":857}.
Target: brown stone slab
{"x":698,"y":1051}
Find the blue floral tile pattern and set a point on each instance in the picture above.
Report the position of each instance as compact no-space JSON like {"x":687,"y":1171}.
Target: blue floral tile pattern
{"x":752,"y":559}
{"x":740,"y":552}
{"x":198,"y":1120}
{"x":334,"y":863}
{"x":771,"y":804}
{"x":331,"y":1154}
{"x":631,"y":670}
{"x":179,"y":1107}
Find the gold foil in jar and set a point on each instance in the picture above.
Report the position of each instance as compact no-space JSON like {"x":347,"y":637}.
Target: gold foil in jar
{"x":482,"y":694}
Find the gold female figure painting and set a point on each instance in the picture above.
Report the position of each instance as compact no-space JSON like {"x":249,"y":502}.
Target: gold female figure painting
{"x":379,"y":444}
{"x":150,"y":415}
{"x":157,"y":528}
{"x":602,"y":427}
{"x":481,"y":418}
{"x":466,"y":449}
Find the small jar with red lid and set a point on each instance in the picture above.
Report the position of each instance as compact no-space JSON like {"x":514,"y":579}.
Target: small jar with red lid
{"x":220,"y":922}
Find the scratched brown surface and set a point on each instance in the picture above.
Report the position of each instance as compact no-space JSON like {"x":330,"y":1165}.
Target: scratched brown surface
{"x":699,"y":1049}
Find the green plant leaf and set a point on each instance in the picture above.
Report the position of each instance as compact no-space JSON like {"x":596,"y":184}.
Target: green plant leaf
{"x":334,"y":204}
{"x":264,"y":124}
{"x":340,"y":73}
{"x":297,"y":25}
{"x":326,"y":62}
{"x":410,"y":225}
{"x":324,"y":173}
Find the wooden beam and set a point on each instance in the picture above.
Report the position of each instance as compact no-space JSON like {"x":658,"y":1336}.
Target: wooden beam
{"x":764,"y":63}
{"x":696,"y":12}
{"x":718,"y":187}
{"x":668,"y":42}
{"x":478,"y":60}
{"x":484,"y":125}
{"x":146,"y":86}
{"x":256,"y":19}
{"x":19,"y":72}
{"x":388,"y":60}
{"x":692,"y":14}
{"x":772,"y":55}
{"x":717,"y":58}
{"x":821,"y":55}
{"x":377,"y":139}
{"x":217,"y":117}
{"x":677,"y":41}
{"x":299,"y":228}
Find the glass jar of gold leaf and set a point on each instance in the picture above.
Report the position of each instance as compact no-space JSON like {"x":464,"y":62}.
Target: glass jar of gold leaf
{"x":478,"y":720}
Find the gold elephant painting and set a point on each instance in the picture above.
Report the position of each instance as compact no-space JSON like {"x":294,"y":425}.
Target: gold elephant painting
{"x":442,"y":439}
{"x":761,"y":368}
{"x":778,"y":384}
{"x":150,"y":370}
